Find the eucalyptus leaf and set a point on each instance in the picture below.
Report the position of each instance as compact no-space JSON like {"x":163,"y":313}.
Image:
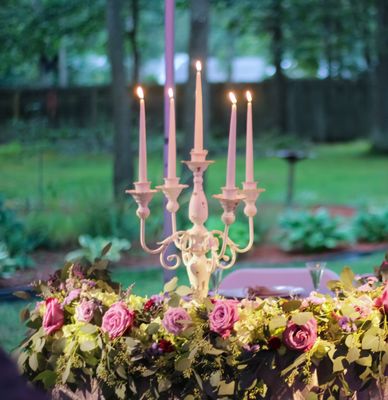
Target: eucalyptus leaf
{"x":88,"y":345}
{"x":22,"y":295}
{"x":182,"y":364}
{"x":171,"y":285}
{"x":277,"y":322}
{"x":302,"y":318}
{"x":33,"y":361}
{"x":152,"y":328}
{"x":48,"y":378}
{"x":174,"y":300}
{"x":291,"y":305}
{"x":184,"y":291}
{"x":89,"y":329}
{"x":226,"y":389}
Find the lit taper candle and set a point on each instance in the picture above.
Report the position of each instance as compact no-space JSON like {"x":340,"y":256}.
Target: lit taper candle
{"x":171,"y":167}
{"x":249,"y":144}
{"x":198,"y":121}
{"x":142,"y":139}
{"x":231,"y":165}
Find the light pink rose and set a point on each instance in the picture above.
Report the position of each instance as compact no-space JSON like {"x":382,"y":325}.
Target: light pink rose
{"x":117,"y":320}
{"x":223,"y":317}
{"x":175,"y":320}
{"x":382,"y":301}
{"x":53,"y":317}
{"x":300,"y":337}
{"x":84,"y":312}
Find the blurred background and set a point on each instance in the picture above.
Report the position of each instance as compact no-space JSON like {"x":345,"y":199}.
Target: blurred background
{"x":318,"y":71}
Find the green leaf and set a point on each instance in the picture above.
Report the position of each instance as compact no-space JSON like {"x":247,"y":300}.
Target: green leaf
{"x":372,"y":340}
{"x":89,"y":329}
{"x":365,"y":361}
{"x":47,"y":377}
{"x":24,"y":314}
{"x":353,"y":354}
{"x":152,"y":328}
{"x":302,"y":318}
{"x":215,"y":379}
{"x":291,"y":305}
{"x":174,"y":300}
{"x":88,"y":345}
{"x":22,"y":295}
{"x":226,"y":389}
{"x":347,"y":278}
{"x":182,"y":364}
{"x":120,"y":370}
{"x":106,"y":249}
{"x":338,"y":364}
{"x":164,"y":384}
{"x":171,"y":285}
{"x":66,"y":372}
{"x":277,"y":322}
{"x":312,"y":396}
{"x":33,"y":361}
{"x":120,"y":391}
{"x":184,"y":291}
{"x":131,"y":343}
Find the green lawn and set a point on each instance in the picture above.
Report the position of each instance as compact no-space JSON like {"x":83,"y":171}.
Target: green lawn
{"x":338,"y":174}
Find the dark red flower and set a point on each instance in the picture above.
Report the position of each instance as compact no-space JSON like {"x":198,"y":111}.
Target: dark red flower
{"x":166,"y":346}
{"x":149,"y":304}
{"x":274,"y":343}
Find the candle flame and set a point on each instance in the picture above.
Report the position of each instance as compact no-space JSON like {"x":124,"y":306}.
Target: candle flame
{"x":170,"y":93}
{"x":140,"y":92}
{"x":198,"y":65}
{"x":249,"y":96}
{"x":232,"y":97}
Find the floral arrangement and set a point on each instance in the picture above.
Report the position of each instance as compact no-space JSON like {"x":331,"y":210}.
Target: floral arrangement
{"x":87,"y":332}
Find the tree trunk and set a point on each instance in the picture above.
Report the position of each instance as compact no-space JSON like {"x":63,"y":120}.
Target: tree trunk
{"x":280,"y":78}
{"x":198,"y":49}
{"x":122,"y":160}
{"x":380,"y":133}
{"x":133,"y":39}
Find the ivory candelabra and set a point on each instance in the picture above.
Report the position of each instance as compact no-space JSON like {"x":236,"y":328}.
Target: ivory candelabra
{"x":200,"y":250}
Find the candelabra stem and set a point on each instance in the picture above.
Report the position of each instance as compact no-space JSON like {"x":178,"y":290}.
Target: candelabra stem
{"x":225,"y":237}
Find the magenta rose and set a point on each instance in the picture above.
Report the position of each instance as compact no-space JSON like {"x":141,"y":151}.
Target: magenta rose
{"x":223,"y":317}
{"x":300,"y":337}
{"x":175,"y":320}
{"x":84,"y":312}
{"x":117,"y":320}
{"x":53,"y":317}
{"x":382,"y":301}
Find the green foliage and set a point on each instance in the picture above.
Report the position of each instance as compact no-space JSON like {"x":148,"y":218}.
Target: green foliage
{"x":371,"y":225}
{"x":93,"y":248}
{"x":14,"y":242}
{"x":311,"y":231}
{"x":251,"y":350}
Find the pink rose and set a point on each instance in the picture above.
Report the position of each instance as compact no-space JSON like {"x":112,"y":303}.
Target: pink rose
{"x":223,"y":317}
{"x":53,"y":317}
{"x":117,"y":320}
{"x":85,"y":310}
{"x":300,"y":337}
{"x":382,"y":301}
{"x":175,"y":320}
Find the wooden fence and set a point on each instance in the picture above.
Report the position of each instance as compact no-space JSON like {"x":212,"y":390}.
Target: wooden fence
{"x":316,"y":109}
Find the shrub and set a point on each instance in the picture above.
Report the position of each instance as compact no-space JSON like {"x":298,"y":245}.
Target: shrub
{"x":92,"y":248}
{"x":311,"y":231}
{"x":371,"y":225}
{"x":14,"y":241}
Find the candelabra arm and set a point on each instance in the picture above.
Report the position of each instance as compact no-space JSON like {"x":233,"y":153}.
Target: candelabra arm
{"x":142,"y":240}
{"x":251,"y":238}
{"x":224,"y":239}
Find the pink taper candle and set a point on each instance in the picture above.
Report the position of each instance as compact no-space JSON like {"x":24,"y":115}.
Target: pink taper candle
{"x":249,"y":144}
{"x":142,"y":139}
{"x":171,"y":168}
{"x":198,"y":121}
{"x":231,"y":166}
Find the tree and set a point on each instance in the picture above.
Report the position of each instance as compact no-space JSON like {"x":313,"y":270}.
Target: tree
{"x":123,"y":164}
{"x":380,"y":132}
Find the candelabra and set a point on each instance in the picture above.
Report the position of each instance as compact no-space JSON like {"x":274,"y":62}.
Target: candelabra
{"x":201,"y":251}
